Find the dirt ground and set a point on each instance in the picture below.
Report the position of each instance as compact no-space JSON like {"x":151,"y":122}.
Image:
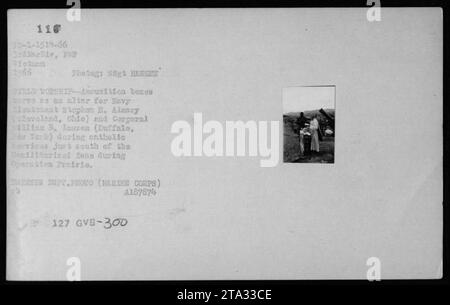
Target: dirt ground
{"x":291,"y":149}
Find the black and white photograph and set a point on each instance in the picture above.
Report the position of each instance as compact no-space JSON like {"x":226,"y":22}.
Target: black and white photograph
{"x":309,"y":124}
{"x":223,"y":144}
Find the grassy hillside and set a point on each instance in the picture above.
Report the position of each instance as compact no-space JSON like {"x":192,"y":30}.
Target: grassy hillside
{"x":291,"y":147}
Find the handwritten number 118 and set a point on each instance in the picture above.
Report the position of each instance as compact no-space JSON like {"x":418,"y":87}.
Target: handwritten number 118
{"x":48,"y":29}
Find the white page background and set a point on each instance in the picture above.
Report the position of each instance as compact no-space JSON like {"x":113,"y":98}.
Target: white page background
{"x":228,"y":218}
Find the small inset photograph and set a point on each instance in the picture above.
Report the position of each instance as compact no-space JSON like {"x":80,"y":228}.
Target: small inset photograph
{"x":308,"y":124}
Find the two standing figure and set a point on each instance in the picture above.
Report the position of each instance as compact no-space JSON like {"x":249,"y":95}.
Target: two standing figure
{"x":309,"y":134}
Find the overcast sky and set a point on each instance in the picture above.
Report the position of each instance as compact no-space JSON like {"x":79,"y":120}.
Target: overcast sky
{"x":297,"y":99}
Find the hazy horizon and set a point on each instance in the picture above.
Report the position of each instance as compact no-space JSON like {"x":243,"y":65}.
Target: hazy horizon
{"x":297,"y":99}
